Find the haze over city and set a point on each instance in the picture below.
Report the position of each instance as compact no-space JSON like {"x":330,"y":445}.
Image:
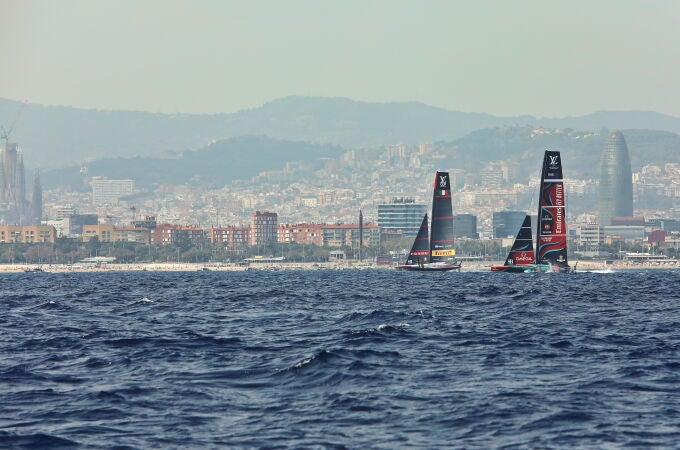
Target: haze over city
{"x":339,"y":224}
{"x":321,"y":110}
{"x":504,"y":58}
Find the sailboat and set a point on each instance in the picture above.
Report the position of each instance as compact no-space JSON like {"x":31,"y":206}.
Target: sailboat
{"x":551,"y":235}
{"x":437,"y":252}
{"x":420,"y":250}
{"x":521,"y":257}
{"x":551,"y":230}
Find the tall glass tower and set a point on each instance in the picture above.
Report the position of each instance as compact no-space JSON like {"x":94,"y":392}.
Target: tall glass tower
{"x":616,"y":183}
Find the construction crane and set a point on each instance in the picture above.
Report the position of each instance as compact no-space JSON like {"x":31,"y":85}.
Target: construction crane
{"x":6,"y":133}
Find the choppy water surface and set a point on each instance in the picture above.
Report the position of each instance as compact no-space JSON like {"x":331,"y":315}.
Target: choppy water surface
{"x":356,"y":359}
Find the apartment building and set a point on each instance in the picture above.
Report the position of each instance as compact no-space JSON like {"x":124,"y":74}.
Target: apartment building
{"x":27,"y":233}
{"x":232,"y":237}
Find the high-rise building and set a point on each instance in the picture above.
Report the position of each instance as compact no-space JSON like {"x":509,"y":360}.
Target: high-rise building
{"x":263,"y":228}
{"x":21,"y":188}
{"x":36,"y":209}
{"x":402,"y":216}
{"x":507,"y":223}
{"x":13,"y":186}
{"x":465,"y":225}
{"x":105,"y":191}
{"x":616,"y":180}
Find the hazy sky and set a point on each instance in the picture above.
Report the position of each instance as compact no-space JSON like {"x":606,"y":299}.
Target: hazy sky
{"x":547,"y":58}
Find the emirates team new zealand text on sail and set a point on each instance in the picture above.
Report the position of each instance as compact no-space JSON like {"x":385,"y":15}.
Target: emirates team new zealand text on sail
{"x":551,"y":229}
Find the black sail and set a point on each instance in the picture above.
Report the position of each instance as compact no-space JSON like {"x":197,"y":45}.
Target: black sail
{"x":551,"y":231}
{"x":441,"y":238}
{"x":420,"y":251}
{"x":522,"y":251}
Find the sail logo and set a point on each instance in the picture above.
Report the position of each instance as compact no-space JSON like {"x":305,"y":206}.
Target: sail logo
{"x":442,"y":181}
{"x":554,"y":162}
{"x":560,"y":259}
{"x":443,"y":252}
{"x":523,"y":257}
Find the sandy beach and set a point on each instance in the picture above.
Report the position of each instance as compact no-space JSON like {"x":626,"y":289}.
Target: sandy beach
{"x":181,"y":267}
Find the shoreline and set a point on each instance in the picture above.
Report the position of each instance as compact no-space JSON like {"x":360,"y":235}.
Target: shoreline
{"x":231,"y":267}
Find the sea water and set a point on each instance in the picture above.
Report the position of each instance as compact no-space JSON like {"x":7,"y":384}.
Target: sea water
{"x":340,"y":359}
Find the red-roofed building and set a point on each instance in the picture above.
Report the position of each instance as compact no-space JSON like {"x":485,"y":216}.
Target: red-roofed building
{"x":302,"y":233}
{"x":232,"y":237}
{"x":656,"y":237}
{"x":167,"y":234}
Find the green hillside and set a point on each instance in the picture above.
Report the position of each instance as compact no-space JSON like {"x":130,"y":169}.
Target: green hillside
{"x":214,"y":165}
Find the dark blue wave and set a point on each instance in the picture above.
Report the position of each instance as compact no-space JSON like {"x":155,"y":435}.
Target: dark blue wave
{"x":350,"y":359}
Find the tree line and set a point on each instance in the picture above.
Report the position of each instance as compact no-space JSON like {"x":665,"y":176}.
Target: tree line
{"x":70,"y":251}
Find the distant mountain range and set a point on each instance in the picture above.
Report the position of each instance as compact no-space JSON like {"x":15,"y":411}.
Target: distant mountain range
{"x":55,"y":136}
{"x":244,"y":157}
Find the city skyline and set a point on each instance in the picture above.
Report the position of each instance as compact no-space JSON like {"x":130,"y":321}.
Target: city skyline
{"x":336,"y":192}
